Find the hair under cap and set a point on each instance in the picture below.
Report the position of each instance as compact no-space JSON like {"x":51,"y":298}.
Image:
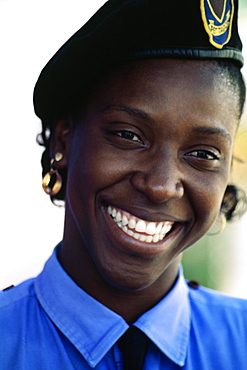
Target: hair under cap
{"x":137,"y":29}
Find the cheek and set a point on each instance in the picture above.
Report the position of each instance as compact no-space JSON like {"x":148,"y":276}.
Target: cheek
{"x":90,"y":171}
{"x":100,"y":169}
{"x":207,"y":199}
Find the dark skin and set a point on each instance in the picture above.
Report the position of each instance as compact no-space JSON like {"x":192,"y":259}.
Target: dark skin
{"x":154,"y":143}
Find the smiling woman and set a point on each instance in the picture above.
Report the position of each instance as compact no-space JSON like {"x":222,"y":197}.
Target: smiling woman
{"x":138,"y":127}
{"x":152,"y":150}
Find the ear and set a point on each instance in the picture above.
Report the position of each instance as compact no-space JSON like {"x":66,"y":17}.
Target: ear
{"x":60,"y":141}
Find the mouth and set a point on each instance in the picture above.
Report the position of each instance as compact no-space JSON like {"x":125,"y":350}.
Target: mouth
{"x":144,"y":231}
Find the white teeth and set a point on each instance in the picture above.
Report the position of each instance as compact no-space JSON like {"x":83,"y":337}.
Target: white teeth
{"x":136,"y":229}
{"x":118,"y":217}
{"x":149,"y":239}
{"x":141,"y":226}
{"x":151,"y":228}
{"x":143,"y":238}
{"x":136,"y":236}
{"x":156,"y":238}
{"x":130,"y":232}
{"x":125,"y":220}
{"x":132,"y":224}
{"x":165,"y":229}
{"x":158,"y":228}
{"x":125,"y":229}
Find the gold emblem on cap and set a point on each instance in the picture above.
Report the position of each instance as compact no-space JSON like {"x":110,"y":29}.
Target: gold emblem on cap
{"x":224,"y":23}
{"x":219,"y":30}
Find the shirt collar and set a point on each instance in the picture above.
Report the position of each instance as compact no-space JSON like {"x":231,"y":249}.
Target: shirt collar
{"x":73,"y":311}
{"x":167,"y":324}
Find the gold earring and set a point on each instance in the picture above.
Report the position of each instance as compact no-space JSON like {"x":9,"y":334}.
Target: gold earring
{"x":58,"y":156}
{"x":52,"y":181}
{"x":223,"y":225}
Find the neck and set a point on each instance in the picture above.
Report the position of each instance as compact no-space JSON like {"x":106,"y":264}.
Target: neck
{"x":128,"y":304}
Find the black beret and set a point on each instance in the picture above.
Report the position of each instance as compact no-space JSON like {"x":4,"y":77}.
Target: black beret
{"x":137,"y":29}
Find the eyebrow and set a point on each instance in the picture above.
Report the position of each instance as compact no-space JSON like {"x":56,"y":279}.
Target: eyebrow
{"x":129,"y":110}
{"x":205,"y":130}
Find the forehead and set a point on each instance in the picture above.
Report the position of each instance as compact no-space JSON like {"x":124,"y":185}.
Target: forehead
{"x":165,"y":85}
{"x":178,"y":75}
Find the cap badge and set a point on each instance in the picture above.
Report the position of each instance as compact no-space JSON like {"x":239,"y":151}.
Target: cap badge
{"x":218,"y":29}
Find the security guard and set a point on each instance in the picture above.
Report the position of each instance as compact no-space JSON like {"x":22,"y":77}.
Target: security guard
{"x":139,"y":111}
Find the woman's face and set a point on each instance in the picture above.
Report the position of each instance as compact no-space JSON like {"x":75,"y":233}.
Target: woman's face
{"x":148,"y":165}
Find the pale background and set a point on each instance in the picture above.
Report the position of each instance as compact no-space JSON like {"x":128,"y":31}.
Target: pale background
{"x":30,"y":33}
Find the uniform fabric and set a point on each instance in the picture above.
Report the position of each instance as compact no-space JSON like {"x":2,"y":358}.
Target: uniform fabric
{"x":50,"y":323}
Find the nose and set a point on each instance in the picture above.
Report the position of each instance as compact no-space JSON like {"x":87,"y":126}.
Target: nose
{"x":160,"y":180}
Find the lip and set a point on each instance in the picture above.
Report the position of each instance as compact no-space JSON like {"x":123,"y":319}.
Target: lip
{"x":138,"y":247}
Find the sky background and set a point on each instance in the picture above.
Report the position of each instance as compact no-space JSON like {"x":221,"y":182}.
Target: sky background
{"x":30,"y":33}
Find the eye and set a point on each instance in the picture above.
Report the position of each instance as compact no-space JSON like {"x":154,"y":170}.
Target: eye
{"x":204,"y":154}
{"x":125,"y":136}
{"x":128,"y":135}
{"x":204,"y":159}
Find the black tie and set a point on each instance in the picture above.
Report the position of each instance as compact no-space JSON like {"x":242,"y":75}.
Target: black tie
{"x":133,"y":344}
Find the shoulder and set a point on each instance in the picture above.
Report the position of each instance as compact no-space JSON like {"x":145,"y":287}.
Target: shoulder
{"x":205,"y":296}
{"x":18,"y":311}
{"x":16,"y":298}
{"x":219,"y":309}
{"x":218,"y":332}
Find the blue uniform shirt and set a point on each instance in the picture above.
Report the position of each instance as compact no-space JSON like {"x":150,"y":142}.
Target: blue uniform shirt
{"x":50,"y":323}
